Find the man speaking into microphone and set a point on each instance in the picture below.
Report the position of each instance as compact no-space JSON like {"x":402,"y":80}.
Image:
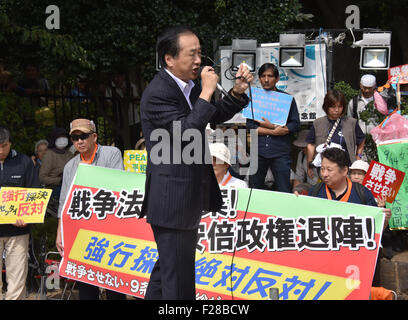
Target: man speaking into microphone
{"x":176,"y":193}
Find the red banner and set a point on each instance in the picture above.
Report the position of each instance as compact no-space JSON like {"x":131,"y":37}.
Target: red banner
{"x":383,"y":180}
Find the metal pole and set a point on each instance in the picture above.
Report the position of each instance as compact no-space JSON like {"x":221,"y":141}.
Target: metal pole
{"x":273,"y":294}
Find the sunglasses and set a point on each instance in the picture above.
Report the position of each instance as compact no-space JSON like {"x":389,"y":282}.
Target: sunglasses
{"x":82,"y":136}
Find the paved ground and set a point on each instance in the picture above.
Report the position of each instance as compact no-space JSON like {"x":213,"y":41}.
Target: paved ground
{"x":394,"y":274}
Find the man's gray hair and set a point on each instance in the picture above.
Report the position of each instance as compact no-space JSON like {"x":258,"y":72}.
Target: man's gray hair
{"x":5,"y":135}
{"x":39,"y":143}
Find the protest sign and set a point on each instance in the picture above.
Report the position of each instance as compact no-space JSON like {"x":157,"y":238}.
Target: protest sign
{"x":398,"y":74}
{"x":135,"y":160}
{"x":271,"y":105}
{"x":383,"y":180}
{"x":27,"y":204}
{"x":306,"y":247}
{"x":395,"y":154}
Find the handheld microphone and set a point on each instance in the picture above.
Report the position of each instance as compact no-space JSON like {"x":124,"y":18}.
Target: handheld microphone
{"x":219,"y":87}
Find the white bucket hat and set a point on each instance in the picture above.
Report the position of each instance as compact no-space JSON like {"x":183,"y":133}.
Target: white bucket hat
{"x":360,"y":165}
{"x":220,"y":151}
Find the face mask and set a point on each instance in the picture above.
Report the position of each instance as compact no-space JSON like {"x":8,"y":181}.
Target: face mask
{"x":61,"y":142}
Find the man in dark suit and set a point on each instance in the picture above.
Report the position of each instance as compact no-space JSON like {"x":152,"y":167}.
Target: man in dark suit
{"x":177,"y":191}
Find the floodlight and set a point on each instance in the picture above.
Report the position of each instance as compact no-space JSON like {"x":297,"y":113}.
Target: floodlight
{"x":243,"y":57}
{"x":375,"y":50}
{"x":244,"y":51}
{"x":292,"y":50}
{"x":374,"y":58}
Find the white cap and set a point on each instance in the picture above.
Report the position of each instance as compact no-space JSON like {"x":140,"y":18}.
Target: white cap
{"x":220,"y":151}
{"x":368,"y":80}
{"x":360,"y":165}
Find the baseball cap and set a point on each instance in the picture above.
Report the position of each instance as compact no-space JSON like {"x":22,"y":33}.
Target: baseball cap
{"x":83,"y":125}
{"x":360,"y":165}
{"x":220,"y":151}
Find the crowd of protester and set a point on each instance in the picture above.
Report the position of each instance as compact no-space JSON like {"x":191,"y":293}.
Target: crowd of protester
{"x":334,"y":140}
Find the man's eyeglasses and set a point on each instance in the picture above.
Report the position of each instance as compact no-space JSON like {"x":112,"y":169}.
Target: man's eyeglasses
{"x":82,"y":136}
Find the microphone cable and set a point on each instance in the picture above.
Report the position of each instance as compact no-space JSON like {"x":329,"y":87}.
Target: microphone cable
{"x":233,"y":78}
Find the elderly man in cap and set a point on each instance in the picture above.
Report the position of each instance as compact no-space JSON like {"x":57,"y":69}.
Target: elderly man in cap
{"x":221,"y":161}
{"x":84,"y":138}
{"x":358,"y":103}
{"x":358,"y":170}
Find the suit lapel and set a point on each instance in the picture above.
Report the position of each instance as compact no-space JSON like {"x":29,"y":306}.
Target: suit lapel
{"x":174,"y":86}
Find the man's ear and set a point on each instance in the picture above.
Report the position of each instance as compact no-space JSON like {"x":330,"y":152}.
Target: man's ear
{"x":345,"y":171}
{"x":169,"y":60}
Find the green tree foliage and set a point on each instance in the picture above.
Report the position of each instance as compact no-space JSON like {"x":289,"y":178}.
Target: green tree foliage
{"x":19,"y":116}
{"x":99,"y":37}
{"x":102,"y":35}
{"x":20,"y":40}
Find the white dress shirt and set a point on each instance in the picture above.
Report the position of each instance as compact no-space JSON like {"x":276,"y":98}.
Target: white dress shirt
{"x":185,"y":87}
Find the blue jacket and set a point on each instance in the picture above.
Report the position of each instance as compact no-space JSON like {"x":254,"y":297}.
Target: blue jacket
{"x":17,"y":171}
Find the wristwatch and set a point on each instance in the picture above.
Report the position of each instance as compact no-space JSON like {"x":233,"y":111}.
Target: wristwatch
{"x":360,"y":155}
{"x":311,"y":165}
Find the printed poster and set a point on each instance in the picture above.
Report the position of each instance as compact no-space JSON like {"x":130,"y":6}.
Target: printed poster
{"x":271,"y":105}
{"x":135,"y":160}
{"x":27,"y":204}
{"x":383,"y":180}
{"x":398,"y":74}
{"x":307,"y":248}
{"x":395,"y":155}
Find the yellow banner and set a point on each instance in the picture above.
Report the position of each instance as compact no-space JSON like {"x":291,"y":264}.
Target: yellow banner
{"x":108,"y":251}
{"x":27,"y":204}
{"x":123,"y":254}
{"x":135,"y":160}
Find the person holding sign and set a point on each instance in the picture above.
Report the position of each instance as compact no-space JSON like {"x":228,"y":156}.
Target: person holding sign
{"x":358,"y":170}
{"x":337,"y":186}
{"x":335,"y":183}
{"x":84,"y":137}
{"x":17,"y":170}
{"x":274,"y":145}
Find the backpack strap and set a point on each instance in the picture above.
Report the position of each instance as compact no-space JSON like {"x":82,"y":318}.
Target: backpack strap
{"x":355,"y":104}
{"x":360,"y":192}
